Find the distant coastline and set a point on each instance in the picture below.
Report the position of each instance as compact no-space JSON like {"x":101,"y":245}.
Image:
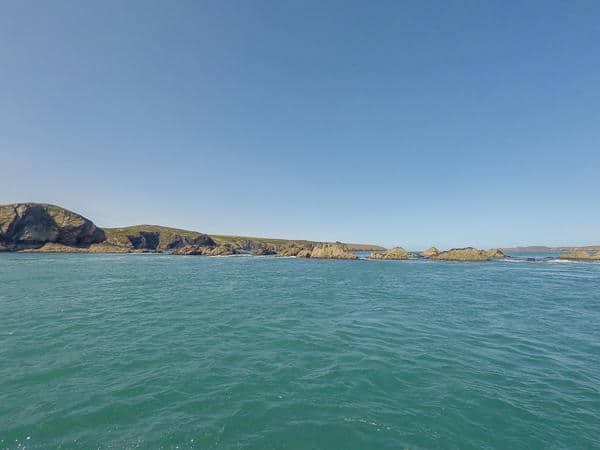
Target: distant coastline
{"x":545,"y":249}
{"x":41,"y":227}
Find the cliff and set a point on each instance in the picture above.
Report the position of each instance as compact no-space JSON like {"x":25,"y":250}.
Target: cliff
{"x":155,"y":238}
{"x":32,"y":225}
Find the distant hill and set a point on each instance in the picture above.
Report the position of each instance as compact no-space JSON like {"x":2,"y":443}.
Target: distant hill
{"x":541,"y":249}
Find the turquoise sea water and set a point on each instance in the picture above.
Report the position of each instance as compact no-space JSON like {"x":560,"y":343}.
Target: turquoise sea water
{"x":158,"y":351}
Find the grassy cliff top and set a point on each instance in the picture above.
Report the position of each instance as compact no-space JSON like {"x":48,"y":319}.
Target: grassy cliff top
{"x":168,"y":233}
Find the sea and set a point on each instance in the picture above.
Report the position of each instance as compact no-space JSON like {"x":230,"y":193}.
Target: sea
{"x":157,"y":351}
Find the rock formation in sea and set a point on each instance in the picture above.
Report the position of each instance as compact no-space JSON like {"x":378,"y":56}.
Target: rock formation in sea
{"x":431,"y":251}
{"x":332,"y":251}
{"x":392,"y":253}
{"x":302,"y":250}
{"x":226,"y":249}
{"x":581,"y":255}
{"x":31,"y":225}
{"x":468,"y":254}
{"x":53,"y":247}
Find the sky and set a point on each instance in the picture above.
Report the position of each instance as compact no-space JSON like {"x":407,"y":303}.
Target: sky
{"x":412,"y":123}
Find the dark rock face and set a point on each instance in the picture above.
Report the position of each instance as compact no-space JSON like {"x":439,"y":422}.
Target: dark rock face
{"x":202,"y":240}
{"x":223,"y":250}
{"x":31,"y":225}
{"x":220,"y":250}
{"x":257,"y":248}
{"x":145,"y":240}
{"x":189,"y":250}
{"x":264,"y":251}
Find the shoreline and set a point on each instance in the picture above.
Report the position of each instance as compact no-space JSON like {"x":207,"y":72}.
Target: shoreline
{"x":46,"y":228}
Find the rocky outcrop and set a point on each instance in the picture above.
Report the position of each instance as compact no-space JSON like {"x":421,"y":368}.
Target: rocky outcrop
{"x":392,"y":253}
{"x":581,"y":255}
{"x":332,"y":251}
{"x":52,"y":247}
{"x":226,"y":249}
{"x":264,"y":251}
{"x":177,"y":241}
{"x":306,"y":253}
{"x":219,"y":250}
{"x":294,"y":250}
{"x":495,"y":253}
{"x":468,"y":254}
{"x":154,"y":238}
{"x":257,"y":248}
{"x":145,"y":240}
{"x":189,"y":250}
{"x":431,"y":251}
{"x":31,"y":225}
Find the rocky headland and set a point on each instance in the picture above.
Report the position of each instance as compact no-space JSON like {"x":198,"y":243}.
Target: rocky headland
{"x":32,"y":225}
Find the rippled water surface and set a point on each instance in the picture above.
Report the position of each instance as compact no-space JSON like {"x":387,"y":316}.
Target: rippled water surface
{"x":157,"y":351}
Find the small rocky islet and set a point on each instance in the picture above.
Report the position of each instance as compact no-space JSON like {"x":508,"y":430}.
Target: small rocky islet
{"x":581,"y":255}
{"x":40,"y":227}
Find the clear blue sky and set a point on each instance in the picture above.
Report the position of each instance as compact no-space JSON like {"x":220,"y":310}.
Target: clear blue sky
{"x":391,"y":122}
